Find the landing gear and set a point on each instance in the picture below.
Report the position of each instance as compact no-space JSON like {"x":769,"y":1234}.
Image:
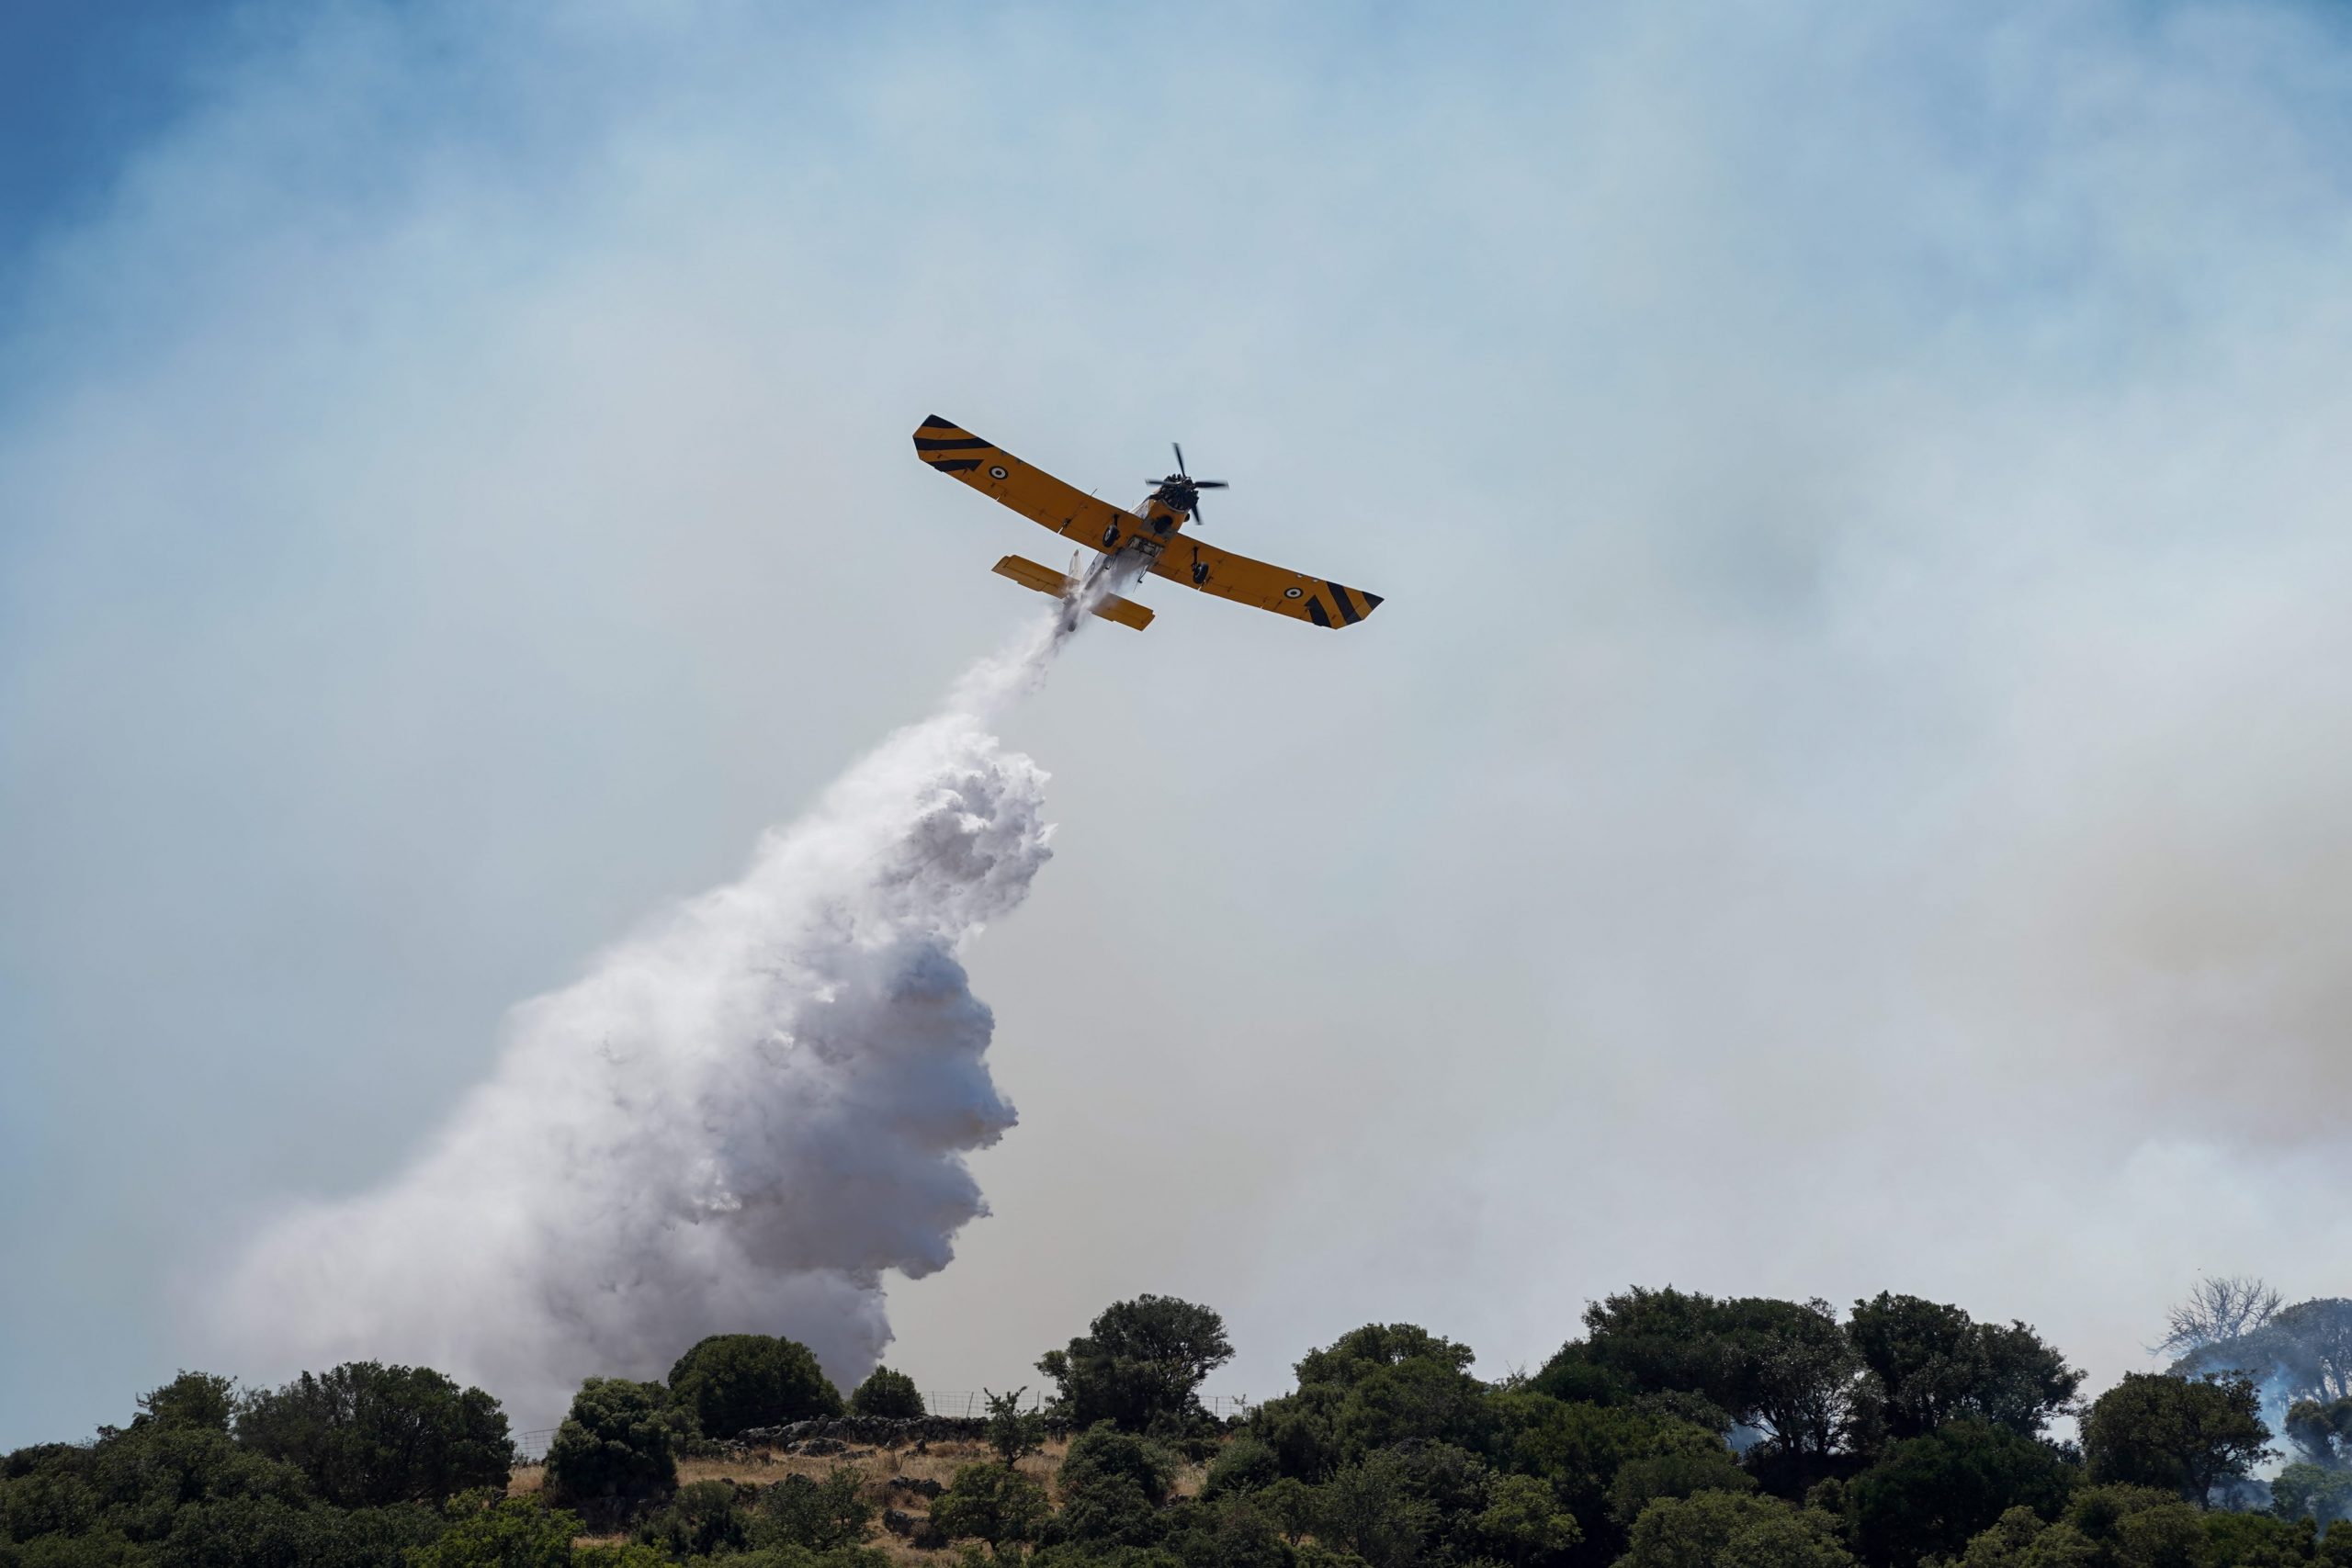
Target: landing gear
{"x":1200,"y":572}
{"x":1109,"y":534}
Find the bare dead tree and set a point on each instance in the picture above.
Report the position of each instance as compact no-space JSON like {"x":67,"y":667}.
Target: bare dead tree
{"x":2216,"y":1310}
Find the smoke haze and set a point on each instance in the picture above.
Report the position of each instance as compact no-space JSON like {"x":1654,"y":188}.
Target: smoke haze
{"x":1846,"y":790}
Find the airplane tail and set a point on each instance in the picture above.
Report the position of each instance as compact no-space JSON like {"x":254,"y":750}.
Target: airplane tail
{"x":1045,"y":580}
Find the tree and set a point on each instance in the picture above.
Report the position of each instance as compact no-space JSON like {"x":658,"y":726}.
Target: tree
{"x":1723,"y":1529}
{"x":2322,"y":1433}
{"x":367,"y":1434}
{"x":887,"y":1394}
{"x":268,"y":1532}
{"x":2022,"y":1539}
{"x":1579,"y":1450}
{"x":2216,"y":1310}
{"x":991,"y":1503}
{"x":1785,"y":1367}
{"x":1934,"y":1363}
{"x":1684,"y":1460}
{"x":1112,"y":1484}
{"x":1360,"y":1352}
{"x":1012,"y":1431}
{"x":191,"y":1399}
{"x":1657,"y":1341}
{"x":2182,"y":1435}
{"x":1140,"y":1364}
{"x":2140,"y":1526}
{"x":1429,"y":1401}
{"x":1798,"y":1373}
{"x":731,"y":1381}
{"x":1930,"y":1496}
{"x":516,"y":1533}
{"x":1243,"y":1465}
{"x":1369,"y":1508}
{"x":2240,"y":1539}
{"x":1231,"y":1532}
{"x":2307,"y":1491}
{"x":2306,"y":1348}
{"x":614,"y":1451}
{"x":1523,"y":1524}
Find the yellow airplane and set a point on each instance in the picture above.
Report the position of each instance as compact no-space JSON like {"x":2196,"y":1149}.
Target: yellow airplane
{"x":1132,"y":542}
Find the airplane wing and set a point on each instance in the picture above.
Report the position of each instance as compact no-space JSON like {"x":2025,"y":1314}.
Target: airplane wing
{"x":1275,"y":587}
{"x":1033,"y":492}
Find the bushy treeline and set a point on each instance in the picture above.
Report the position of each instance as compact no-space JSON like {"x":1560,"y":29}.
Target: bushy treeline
{"x":1678,"y":1430}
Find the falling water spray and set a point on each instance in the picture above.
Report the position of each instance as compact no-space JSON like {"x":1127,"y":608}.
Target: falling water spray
{"x":740,"y":1119}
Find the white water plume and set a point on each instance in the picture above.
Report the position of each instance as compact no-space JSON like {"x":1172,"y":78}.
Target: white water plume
{"x":737,"y":1121}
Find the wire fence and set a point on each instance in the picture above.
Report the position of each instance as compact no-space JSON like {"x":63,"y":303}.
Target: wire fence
{"x":531,"y":1448}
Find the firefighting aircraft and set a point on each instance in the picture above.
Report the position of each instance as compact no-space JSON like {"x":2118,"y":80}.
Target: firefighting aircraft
{"x":1132,"y":542}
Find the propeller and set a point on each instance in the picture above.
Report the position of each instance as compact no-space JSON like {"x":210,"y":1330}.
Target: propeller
{"x":1186,"y":483}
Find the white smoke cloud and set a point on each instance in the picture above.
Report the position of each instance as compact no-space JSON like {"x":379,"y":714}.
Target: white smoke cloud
{"x":739,"y":1120}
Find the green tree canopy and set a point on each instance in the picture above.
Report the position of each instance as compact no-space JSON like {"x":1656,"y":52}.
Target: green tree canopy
{"x":191,"y":1399}
{"x":614,"y":1452}
{"x":367,"y":1434}
{"x":1140,"y":1365}
{"x":2322,"y":1432}
{"x":1935,"y":1363}
{"x":887,"y":1394}
{"x":2183,"y":1435}
{"x":1783,"y":1367}
{"x":1112,"y":1484}
{"x":1929,"y":1495}
{"x":1725,"y":1529}
{"x":2307,"y":1491}
{"x":731,"y":1381}
{"x":1360,"y":1352}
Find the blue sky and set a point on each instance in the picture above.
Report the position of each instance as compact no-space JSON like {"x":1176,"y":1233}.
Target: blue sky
{"x":82,"y":87}
{"x":1843,"y":793}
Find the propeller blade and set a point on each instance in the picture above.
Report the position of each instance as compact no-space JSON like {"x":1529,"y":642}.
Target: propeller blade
{"x":1196,"y":513}
{"x":1179,"y":455}
{"x":1211,"y":484}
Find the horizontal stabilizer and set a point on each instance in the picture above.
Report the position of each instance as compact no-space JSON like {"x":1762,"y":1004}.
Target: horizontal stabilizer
{"x":1045,"y":580}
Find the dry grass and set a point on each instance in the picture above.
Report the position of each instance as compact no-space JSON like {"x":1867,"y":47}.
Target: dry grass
{"x":937,"y":1462}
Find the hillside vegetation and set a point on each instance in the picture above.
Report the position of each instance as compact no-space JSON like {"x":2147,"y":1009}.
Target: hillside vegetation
{"x":1678,"y":1430}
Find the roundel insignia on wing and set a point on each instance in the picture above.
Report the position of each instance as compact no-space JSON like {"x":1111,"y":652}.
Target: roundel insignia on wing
{"x":995,"y":473}
{"x":1290,"y":592}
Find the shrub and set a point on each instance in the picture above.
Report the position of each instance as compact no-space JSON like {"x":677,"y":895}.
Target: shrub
{"x":1112,"y":1484}
{"x":614,"y":1451}
{"x":817,"y":1514}
{"x":1243,"y":1465}
{"x":887,"y":1394}
{"x":1721,"y":1529}
{"x":516,"y":1533}
{"x":733,"y":1381}
{"x":991,"y":1503}
{"x":701,"y":1520}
